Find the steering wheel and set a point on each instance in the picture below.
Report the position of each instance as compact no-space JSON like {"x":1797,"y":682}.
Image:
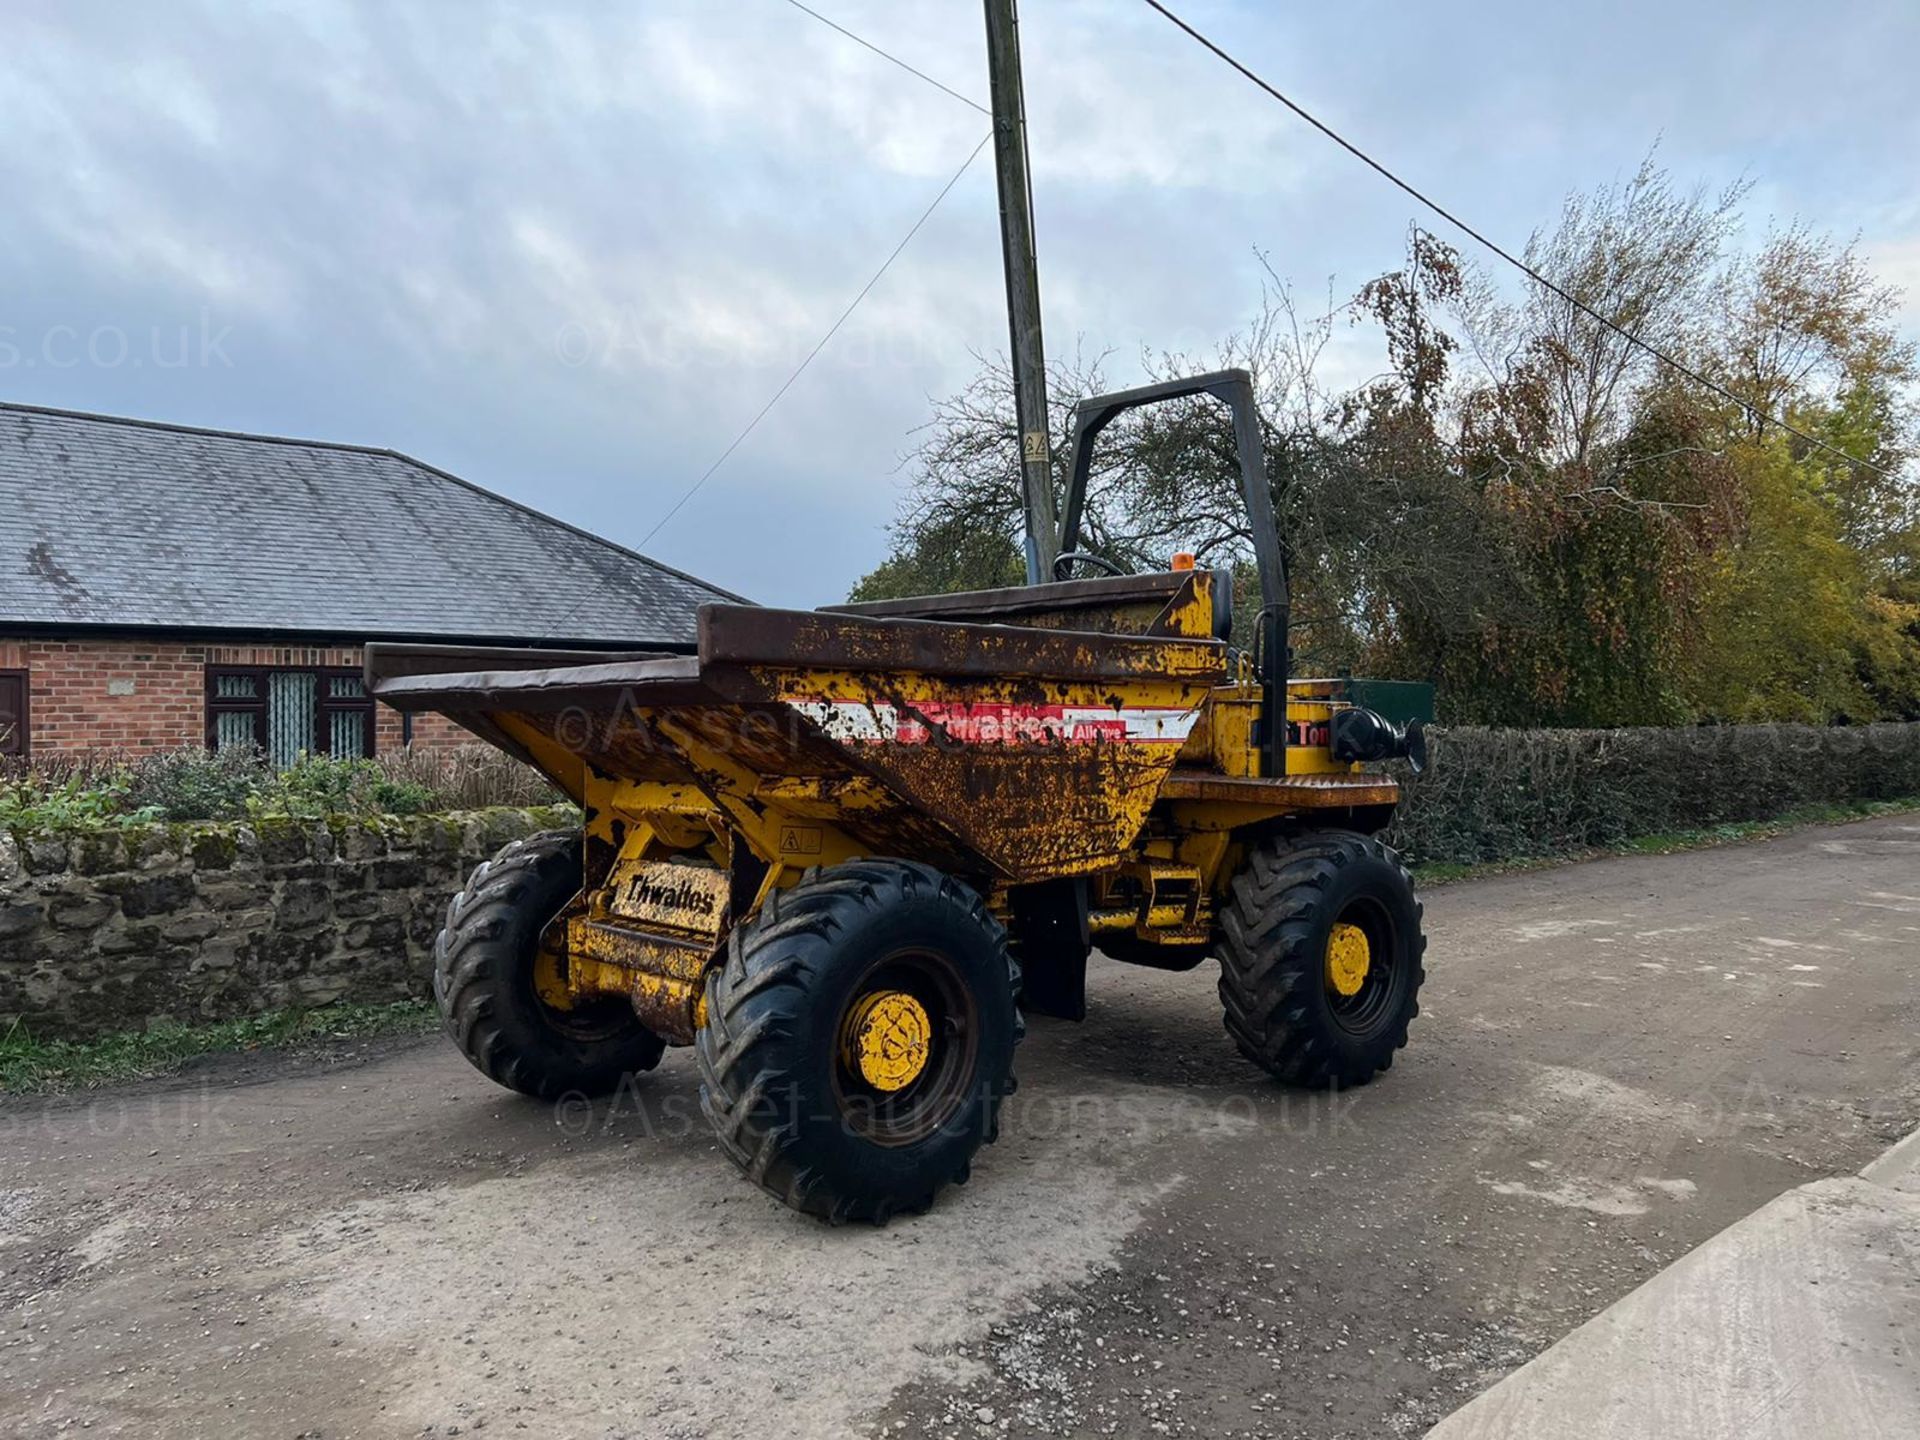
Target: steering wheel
{"x":1064,"y":563}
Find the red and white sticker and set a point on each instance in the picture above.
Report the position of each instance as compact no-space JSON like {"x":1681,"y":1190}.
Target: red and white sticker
{"x":883,"y":723}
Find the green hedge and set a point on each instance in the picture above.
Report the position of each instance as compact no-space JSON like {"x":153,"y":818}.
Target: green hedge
{"x":1507,"y":794}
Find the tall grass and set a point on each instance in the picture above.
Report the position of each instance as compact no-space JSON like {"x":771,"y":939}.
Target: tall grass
{"x":469,"y":777}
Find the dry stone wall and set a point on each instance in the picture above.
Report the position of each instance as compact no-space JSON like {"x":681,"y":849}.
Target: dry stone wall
{"x":115,"y":929}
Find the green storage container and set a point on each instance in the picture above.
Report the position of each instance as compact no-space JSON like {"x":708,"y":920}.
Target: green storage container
{"x":1396,"y":700}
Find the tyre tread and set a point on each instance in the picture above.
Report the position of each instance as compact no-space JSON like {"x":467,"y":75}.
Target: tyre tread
{"x":755,"y":999}
{"x":1267,"y":959}
{"x":478,"y":956}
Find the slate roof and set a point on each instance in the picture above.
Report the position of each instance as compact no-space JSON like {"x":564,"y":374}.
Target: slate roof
{"x":106,"y":522}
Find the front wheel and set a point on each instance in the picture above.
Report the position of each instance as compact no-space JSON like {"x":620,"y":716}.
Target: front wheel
{"x":1320,"y":958}
{"x":489,"y":972}
{"x":859,"y":1039}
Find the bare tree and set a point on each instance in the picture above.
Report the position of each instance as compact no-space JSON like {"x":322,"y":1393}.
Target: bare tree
{"x":1643,"y":254}
{"x":1524,"y":504}
{"x":1808,"y":334}
{"x":1375,"y":516}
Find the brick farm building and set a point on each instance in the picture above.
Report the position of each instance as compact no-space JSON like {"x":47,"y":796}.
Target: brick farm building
{"x":164,"y":587}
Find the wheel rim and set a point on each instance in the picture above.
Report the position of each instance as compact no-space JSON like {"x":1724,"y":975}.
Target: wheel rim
{"x":1349,"y":957}
{"x":904,"y":1058}
{"x":888,"y":1038}
{"x":1362,"y":968}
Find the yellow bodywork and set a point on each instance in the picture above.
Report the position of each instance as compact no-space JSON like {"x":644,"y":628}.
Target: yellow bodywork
{"x":1131,"y":758}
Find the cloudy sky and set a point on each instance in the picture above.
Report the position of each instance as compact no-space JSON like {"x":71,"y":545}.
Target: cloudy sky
{"x":567,"y":250}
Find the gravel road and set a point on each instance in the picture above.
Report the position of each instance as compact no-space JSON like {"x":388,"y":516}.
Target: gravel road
{"x":1616,"y":1059}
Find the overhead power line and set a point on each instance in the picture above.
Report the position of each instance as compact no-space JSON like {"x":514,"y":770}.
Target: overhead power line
{"x":846,"y":314}
{"x":1506,"y":255}
{"x":891,"y":58}
{"x":832,"y":330}
{"x":798,"y":370}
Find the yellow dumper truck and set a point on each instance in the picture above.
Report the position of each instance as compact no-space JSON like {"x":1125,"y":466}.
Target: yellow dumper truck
{"x":837,"y":852}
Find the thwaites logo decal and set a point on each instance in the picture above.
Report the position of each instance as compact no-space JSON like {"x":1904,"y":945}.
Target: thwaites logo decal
{"x":671,"y":894}
{"x":672,"y":897}
{"x":954,"y":723}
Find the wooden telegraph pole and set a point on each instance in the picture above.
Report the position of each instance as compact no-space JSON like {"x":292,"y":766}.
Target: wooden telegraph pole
{"x":1023,"y":288}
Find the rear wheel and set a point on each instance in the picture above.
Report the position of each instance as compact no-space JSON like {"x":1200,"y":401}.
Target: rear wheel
{"x":489,"y":973}
{"x":1320,"y":958}
{"x":859,"y":1039}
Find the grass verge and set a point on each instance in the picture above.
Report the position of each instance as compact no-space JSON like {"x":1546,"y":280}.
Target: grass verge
{"x":1446,"y":872}
{"x":39,"y":1067}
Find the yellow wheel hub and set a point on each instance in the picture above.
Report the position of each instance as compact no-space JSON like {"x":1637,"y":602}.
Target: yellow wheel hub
{"x":889,"y":1037}
{"x":550,"y":979}
{"x":1349,"y":957}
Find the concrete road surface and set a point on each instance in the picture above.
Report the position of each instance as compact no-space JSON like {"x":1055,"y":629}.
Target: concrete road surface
{"x":1800,"y":1322}
{"x":1617,"y":1059}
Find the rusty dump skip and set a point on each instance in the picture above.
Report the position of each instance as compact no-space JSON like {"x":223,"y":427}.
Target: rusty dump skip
{"x":1103,"y":733}
{"x":1005,"y":752}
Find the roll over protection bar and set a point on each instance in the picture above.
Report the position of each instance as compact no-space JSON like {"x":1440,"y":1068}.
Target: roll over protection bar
{"x":1235,"y":389}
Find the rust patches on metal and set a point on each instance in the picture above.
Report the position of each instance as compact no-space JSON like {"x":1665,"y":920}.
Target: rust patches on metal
{"x":664,"y":978}
{"x":1100,"y":735}
{"x":741,"y":635}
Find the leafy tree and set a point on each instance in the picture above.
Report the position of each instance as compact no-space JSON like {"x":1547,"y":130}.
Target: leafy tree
{"x":1524,"y":507}
{"x":1784,"y":616}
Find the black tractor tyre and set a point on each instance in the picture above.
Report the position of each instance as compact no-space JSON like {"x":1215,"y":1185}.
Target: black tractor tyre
{"x":791,"y":1105}
{"x":483,"y":978}
{"x":1283,"y":1006}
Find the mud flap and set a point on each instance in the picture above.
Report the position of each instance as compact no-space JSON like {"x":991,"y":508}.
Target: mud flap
{"x":1050,"y":938}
